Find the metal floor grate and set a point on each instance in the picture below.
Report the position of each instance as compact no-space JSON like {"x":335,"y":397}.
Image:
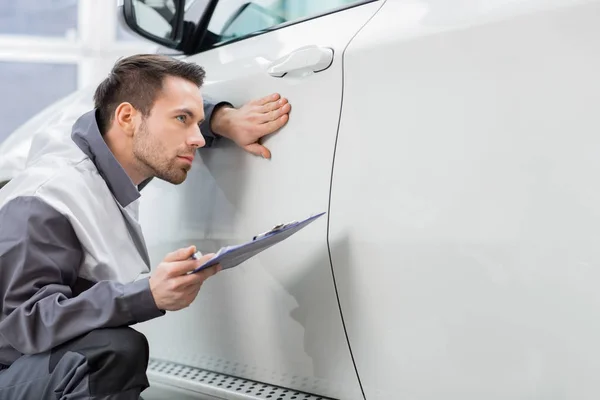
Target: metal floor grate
{"x":223,"y":386}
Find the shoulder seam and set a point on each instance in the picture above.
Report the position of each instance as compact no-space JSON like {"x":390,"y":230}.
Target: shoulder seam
{"x":55,"y":174}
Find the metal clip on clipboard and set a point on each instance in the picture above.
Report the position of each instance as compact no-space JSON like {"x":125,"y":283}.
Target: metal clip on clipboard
{"x":273,"y":230}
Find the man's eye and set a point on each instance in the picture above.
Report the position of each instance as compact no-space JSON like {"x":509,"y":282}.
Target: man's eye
{"x":181,"y":118}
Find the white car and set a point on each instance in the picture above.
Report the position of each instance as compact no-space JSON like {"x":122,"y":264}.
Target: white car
{"x":455,"y":146}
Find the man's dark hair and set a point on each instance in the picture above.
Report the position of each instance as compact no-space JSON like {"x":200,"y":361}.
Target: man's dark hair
{"x":138,"y":80}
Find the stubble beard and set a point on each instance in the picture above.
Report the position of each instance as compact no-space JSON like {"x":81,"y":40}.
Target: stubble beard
{"x":151,"y":157}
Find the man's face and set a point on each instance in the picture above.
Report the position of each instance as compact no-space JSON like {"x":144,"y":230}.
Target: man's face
{"x":165,"y":141}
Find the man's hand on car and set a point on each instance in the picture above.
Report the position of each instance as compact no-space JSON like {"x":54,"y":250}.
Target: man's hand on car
{"x":251,"y":122}
{"x":171,"y":285}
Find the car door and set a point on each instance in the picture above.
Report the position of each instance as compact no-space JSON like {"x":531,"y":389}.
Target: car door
{"x":276,"y":318}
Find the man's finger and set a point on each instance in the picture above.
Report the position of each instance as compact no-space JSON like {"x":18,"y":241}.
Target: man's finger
{"x":267,"y":99}
{"x":205,"y":258}
{"x":186,"y":281}
{"x":269,"y":116}
{"x":274,"y":105}
{"x":196,"y":279}
{"x":208,"y":272}
{"x":271,"y":126}
{"x":275,"y":113}
{"x":178,"y":268}
{"x":181,"y":254}
{"x":286,"y":108}
{"x":183,"y":267}
{"x":258,"y":150}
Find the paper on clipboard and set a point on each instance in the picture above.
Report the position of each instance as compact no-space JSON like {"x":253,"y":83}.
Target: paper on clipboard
{"x":232,"y":256}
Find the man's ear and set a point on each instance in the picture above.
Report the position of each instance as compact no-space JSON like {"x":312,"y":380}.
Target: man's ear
{"x":126,"y":117}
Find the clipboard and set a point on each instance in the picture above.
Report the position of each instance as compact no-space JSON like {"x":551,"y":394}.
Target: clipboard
{"x":232,"y":256}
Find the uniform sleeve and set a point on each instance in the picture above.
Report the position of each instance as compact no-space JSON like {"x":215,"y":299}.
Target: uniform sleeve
{"x":209,"y":107}
{"x":40,"y":257}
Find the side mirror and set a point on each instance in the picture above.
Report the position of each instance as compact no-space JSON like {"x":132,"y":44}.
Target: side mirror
{"x":160,"y":21}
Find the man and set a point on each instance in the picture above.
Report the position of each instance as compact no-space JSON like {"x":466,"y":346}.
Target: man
{"x":71,"y":248}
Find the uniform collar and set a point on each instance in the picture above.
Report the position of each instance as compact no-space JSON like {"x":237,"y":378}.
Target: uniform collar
{"x":88,"y":138}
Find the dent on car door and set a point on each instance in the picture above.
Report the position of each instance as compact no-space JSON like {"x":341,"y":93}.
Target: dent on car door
{"x":276,"y":318}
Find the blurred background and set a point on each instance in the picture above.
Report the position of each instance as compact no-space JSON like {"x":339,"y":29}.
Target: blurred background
{"x":50,"y":48}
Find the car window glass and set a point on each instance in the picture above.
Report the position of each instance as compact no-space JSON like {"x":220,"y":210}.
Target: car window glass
{"x":194,"y":9}
{"x":235,"y":19}
{"x":158,"y":16}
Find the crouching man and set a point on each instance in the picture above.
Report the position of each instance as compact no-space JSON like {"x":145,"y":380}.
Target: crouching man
{"x":71,"y":247}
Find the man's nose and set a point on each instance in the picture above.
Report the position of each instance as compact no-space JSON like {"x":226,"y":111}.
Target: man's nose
{"x":196,"y":139}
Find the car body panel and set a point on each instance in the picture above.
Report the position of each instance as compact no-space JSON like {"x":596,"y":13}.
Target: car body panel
{"x":464,"y":229}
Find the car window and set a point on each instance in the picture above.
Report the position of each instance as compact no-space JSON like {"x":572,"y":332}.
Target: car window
{"x":236,"y":19}
{"x":194,"y":9}
{"x":158,"y":16}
